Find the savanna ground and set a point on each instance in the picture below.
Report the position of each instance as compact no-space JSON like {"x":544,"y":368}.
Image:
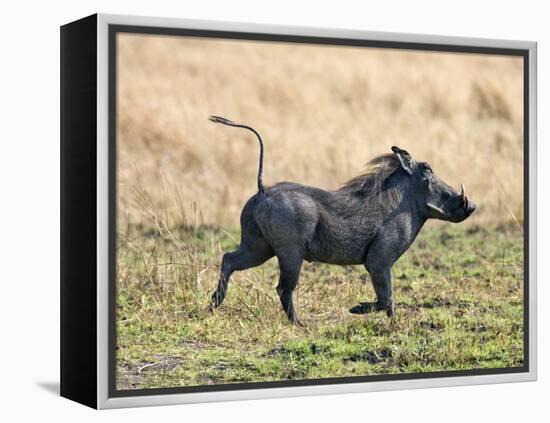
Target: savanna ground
{"x":323,"y":112}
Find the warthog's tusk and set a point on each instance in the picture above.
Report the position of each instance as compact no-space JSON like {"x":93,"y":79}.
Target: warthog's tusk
{"x":437,"y":210}
{"x":463,"y":200}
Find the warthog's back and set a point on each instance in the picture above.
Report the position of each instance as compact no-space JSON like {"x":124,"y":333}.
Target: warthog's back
{"x":291,"y":215}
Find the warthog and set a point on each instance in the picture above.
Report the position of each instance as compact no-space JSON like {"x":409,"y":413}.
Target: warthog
{"x":371,"y":220}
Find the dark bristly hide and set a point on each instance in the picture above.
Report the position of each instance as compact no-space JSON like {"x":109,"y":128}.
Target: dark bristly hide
{"x":371,"y":220}
{"x":377,"y":171}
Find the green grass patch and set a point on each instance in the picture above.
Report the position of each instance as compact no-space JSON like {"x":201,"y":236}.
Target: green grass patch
{"x":458,"y":294}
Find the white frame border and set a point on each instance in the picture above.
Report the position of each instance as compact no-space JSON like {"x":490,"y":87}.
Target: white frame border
{"x":103,"y":401}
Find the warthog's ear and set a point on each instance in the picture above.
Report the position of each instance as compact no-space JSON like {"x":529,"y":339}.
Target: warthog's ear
{"x":406,"y":160}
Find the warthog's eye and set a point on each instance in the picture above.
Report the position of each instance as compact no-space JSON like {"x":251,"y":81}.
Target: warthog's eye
{"x":427,"y":168}
{"x":427,"y":173}
{"x":446,"y":195}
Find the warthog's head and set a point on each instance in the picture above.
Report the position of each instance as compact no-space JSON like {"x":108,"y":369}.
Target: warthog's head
{"x":439,"y":200}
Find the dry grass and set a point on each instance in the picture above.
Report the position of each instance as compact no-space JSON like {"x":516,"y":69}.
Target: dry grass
{"x":323,"y":112}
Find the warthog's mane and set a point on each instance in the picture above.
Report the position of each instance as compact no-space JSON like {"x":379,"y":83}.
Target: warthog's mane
{"x":371,"y":182}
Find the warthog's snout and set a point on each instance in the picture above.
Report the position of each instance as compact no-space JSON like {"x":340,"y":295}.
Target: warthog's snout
{"x":446,"y":204}
{"x":470,"y":208}
{"x":467,"y":206}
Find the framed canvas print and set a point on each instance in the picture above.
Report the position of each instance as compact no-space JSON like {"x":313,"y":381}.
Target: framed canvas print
{"x":252,"y":211}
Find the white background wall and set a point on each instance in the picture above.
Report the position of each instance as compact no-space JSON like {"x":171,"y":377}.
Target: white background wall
{"x":29,"y":289}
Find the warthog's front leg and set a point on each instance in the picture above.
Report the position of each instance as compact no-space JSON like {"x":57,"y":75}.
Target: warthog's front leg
{"x":381,"y":280}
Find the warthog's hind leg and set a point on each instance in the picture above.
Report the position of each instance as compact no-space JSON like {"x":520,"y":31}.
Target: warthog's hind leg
{"x":240,"y":259}
{"x":290,"y":264}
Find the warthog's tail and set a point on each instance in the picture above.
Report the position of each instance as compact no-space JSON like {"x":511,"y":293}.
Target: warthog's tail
{"x":219,"y":119}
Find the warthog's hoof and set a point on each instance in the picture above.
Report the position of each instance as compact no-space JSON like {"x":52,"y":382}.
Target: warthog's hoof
{"x":210,"y":308}
{"x":298,"y":323}
{"x":363,"y":308}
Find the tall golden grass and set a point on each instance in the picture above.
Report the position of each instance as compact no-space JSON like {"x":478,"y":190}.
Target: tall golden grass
{"x":322,"y":111}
